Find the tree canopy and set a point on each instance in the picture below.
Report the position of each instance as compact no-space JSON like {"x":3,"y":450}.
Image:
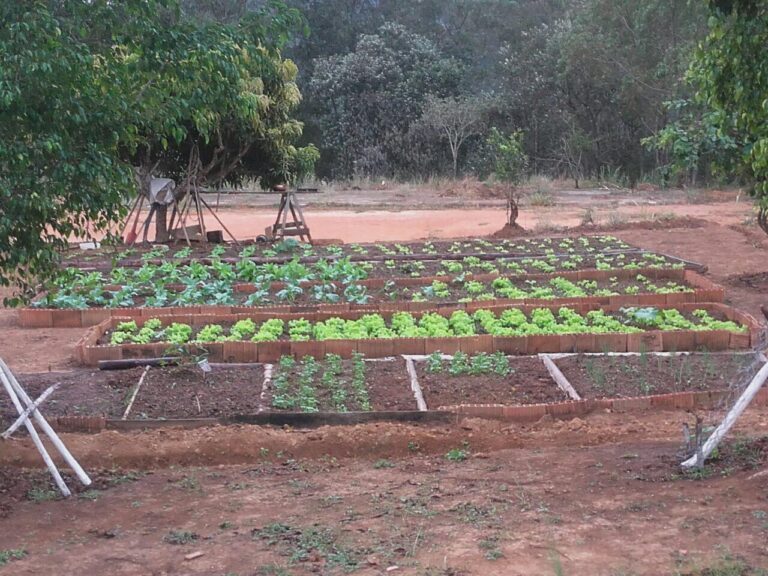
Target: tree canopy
{"x":91,"y":89}
{"x":730,"y":73}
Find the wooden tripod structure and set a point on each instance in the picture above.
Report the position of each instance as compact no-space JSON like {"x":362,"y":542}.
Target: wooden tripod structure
{"x":296,"y":226}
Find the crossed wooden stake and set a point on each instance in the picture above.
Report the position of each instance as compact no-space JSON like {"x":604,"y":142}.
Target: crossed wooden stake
{"x":28,"y":411}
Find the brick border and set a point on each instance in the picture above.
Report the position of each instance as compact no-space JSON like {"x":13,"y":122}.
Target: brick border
{"x":87,"y":350}
{"x":704,"y":290}
{"x":517,"y":414}
{"x":564,"y":410}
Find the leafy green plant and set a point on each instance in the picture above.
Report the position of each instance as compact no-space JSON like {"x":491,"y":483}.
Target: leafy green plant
{"x":7,"y":556}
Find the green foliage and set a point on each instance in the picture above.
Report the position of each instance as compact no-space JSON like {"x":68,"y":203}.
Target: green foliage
{"x":88,"y":89}
{"x":368,"y":98}
{"x":509,"y":159}
{"x":13,"y":554}
{"x":730,"y":74}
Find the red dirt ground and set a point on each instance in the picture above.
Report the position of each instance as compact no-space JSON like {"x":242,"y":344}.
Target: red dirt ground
{"x":593,"y":496}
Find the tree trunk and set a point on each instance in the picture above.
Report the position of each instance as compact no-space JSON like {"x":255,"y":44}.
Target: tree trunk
{"x":161,"y":223}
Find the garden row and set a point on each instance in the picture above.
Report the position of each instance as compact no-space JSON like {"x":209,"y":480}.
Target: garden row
{"x":482,"y":384}
{"x":290,"y":248}
{"x":626,"y":287}
{"x":266,"y":336}
{"x":336,"y":280}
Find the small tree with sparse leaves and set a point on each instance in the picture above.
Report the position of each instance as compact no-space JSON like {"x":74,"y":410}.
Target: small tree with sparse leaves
{"x":509,"y":166}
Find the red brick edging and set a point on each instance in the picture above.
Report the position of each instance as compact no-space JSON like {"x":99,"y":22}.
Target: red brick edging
{"x":89,"y":352}
{"x":704,"y":290}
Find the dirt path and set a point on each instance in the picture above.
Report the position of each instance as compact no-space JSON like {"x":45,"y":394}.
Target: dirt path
{"x":595,"y":497}
{"x":728,"y":252}
{"x":357,"y":225}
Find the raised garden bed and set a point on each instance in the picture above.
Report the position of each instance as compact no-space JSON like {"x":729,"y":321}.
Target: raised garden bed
{"x":336,"y":385}
{"x":80,"y":393}
{"x":512,"y":388}
{"x":581,"y":328}
{"x":187,"y":392}
{"x":486,"y":379}
{"x":290,"y":249}
{"x":651,"y":287}
{"x":643,"y":375}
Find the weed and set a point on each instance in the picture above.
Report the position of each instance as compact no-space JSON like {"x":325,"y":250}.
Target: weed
{"x":299,"y":544}
{"x":180,"y":537}
{"x":457,"y":455}
{"x":189,"y":483}
{"x":91,"y":495}
{"x":413,"y":447}
{"x":12,"y":554}
{"x":541,"y":198}
{"x":41,"y":494}
{"x":383,"y":463}
{"x":491,"y":547}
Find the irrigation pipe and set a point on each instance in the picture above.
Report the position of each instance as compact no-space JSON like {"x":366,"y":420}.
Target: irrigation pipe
{"x":417,"y":393}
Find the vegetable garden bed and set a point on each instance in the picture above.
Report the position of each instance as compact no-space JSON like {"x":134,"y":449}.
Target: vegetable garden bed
{"x":336,"y":385}
{"x":187,"y":392}
{"x":645,"y":374}
{"x":512,"y":388}
{"x":486,"y":379}
{"x":521,"y":330}
{"x":289,"y":249}
{"x":648,"y":286}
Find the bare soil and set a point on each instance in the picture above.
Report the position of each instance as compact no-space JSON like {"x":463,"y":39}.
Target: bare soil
{"x":527,"y":383}
{"x":80,"y":393}
{"x":600,"y":496}
{"x":630,"y":376}
{"x":185,"y":392}
{"x":389,"y":386}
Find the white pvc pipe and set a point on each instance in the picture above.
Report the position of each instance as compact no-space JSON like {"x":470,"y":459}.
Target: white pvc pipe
{"x":45,"y":427}
{"x":36,"y":438}
{"x":730,"y":418}
{"x":25,"y":415}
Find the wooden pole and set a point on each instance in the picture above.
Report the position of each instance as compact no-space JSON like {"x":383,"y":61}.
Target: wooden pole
{"x":36,"y":438}
{"x":730,"y":418}
{"x":25,"y":416}
{"x":45,"y":427}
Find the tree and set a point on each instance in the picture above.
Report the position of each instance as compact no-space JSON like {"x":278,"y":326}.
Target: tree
{"x":455,"y":119}
{"x":61,"y":127}
{"x":730,"y":73}
{"x":91,"y":88}
{"x":368,"y":99}
{"x":509,"y":165}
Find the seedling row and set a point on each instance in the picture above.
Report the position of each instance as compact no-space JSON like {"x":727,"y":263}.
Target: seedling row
{"x":290,"y":248}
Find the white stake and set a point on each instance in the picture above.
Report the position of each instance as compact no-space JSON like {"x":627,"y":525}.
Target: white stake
{"x":45,"y":427}
{"x":36,"y":438}
{"x":730,"y":418}
{"x":135,"y":393}
{"x":417,"y":393}
{"x":559,"y":377}
{"x":25,"y":415}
